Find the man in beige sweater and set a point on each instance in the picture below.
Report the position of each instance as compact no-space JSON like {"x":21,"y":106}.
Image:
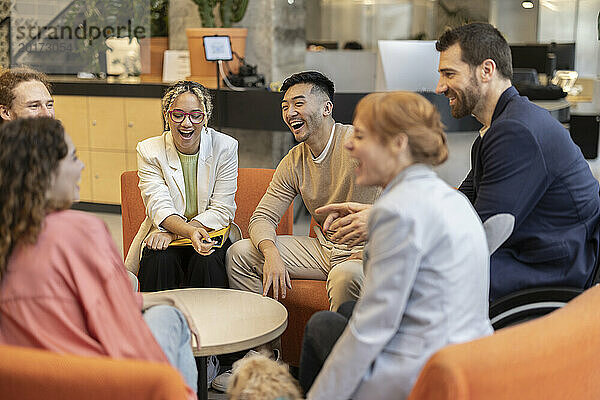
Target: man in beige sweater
{"x":322,"y":172}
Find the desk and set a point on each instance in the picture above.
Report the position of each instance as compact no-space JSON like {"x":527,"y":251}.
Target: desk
{"x":559,"y":109}
{"x":585,"y":128}
{"x":228,"y":321}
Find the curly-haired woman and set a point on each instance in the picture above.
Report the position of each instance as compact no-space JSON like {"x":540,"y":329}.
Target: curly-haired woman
{"x":188,"y":180}
{"x":63,"y":286}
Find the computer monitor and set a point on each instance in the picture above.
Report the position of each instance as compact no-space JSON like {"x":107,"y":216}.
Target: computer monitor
{"x":400,"y":65}
{"x":535,"y":55}
{"x":529,"y":56}
{"x":565,"y":56}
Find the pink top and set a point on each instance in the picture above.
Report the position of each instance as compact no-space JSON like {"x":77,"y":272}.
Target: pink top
{"x":70,"y":293}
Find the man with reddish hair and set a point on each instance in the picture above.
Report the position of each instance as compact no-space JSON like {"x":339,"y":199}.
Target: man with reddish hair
{"x":24,"y":93}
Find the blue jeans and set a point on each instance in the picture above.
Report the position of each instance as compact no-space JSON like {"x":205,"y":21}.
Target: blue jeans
{"x":171,"y":331}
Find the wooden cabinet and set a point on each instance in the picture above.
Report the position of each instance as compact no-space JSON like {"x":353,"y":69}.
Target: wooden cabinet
{"x":85,"y":185}
{"x":107,"y":167}
{"x":107,"y":123}
{"x":105,"y":131}
{"x":73,"y":112}
{"x":144,"y":120}
{"x":131,"y":161}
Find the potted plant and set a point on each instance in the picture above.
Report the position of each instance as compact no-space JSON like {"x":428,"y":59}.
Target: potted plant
{"x":230,"y":11}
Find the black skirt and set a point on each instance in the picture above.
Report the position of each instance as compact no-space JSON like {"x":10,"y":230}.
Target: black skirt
{"x":182,"y":267}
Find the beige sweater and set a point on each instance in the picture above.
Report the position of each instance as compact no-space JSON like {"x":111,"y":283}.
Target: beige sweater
{"x":319,"y":184}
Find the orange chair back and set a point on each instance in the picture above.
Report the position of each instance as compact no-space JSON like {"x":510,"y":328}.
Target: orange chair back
{"x":133,"y":211}
{"x":29,"y":374}
{"x":552,"y":358}
{"x":252,"y":185}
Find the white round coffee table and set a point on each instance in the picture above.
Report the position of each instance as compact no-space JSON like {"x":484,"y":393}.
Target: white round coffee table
{"x":227,"y":321}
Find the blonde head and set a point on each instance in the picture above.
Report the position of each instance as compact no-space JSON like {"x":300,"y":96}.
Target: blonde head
{"x":390,"y":114}
{"x":260,"y":378}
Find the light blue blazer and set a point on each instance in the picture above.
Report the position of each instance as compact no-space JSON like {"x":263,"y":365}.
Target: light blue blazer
{"x":426,"y":286}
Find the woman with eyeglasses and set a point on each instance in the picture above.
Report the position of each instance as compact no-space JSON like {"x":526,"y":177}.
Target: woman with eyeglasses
{"x":188,"y":180}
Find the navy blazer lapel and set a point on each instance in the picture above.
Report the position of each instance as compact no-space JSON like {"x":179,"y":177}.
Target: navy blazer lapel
{"x":503,"y":101}
{"x":476,"y":164}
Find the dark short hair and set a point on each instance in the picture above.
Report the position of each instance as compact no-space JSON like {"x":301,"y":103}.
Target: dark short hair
{"x":315,"y":78}
{"x":479,"y":41}
{"x":10,"y":78}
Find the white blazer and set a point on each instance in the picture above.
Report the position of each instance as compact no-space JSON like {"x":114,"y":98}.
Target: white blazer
{"x":163,"y":189}
{"x":426,"y":285}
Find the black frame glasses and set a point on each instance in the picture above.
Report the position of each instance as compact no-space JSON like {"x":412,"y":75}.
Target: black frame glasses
{"x":179,"y":120}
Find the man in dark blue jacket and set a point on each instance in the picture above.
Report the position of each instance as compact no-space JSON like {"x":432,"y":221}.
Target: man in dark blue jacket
{"x":523,"y":163}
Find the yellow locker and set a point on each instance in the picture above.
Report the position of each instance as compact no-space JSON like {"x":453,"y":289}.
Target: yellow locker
{"x":144,"y":120}
{"x":107,"y":123}
{"x":85,"y":185}
{"x":107,"y":167}
{"x":73,"y":113}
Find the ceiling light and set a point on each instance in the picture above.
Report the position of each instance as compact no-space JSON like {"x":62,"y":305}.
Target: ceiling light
{"x":527,"y":4}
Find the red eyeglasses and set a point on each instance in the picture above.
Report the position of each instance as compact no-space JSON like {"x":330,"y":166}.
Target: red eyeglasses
{"x":177,"y":116}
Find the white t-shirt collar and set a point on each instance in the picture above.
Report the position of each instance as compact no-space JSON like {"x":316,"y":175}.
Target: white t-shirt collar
{"x":323,"y":154}
{"x":483,"y":130}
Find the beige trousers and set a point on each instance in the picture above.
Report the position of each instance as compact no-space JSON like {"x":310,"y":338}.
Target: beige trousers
{"x":305,"y":258}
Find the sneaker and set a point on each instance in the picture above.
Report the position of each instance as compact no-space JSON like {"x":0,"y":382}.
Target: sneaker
{"x":221,"y":382}
{"x":212,"y":368}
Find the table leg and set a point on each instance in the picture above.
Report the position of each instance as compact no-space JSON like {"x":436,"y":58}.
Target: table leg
{"x":202,"y":381}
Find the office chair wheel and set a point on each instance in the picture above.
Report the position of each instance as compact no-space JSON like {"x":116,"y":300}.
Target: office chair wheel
{"x":528,"y":304}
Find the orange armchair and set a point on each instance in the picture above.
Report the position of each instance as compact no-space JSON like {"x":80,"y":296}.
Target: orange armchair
{"x":307,"y":297}
{"x":252,"y":184}
{"x":32,"y":374}
{"x":552,"y":358}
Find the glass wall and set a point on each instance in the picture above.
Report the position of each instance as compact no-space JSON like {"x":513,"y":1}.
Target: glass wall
{"x":367,"y":21}
{"x":557,"y":21}
{"x":67,"y":37}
